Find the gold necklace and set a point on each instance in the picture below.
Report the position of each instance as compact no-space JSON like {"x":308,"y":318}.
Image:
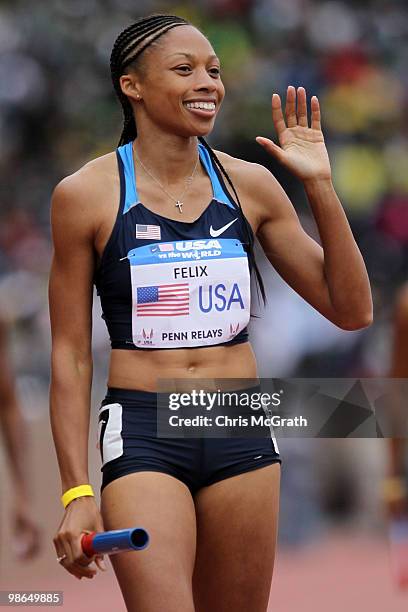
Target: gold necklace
{"x":178,"y":201}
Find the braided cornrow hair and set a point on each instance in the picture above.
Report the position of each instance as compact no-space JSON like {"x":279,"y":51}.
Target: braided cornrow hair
{"x":127,"y":48}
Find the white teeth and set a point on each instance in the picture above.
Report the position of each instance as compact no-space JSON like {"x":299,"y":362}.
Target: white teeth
{"x":202,"y":105}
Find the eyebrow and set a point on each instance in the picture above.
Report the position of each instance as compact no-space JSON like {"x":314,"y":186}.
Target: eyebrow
{"x":190,"y":56}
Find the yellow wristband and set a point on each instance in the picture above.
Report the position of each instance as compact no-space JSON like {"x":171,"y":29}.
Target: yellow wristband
{"x":80,"y":491}
{"x":394,"y":489}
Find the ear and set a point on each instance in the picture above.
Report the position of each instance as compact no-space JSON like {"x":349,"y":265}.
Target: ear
{"x":130,"y":86}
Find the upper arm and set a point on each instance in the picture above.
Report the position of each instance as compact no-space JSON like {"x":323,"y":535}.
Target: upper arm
{"x":399,"y":359}
{"x":72,"y":268}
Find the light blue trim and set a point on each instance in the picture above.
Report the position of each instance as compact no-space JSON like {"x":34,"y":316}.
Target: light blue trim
{"x":179,"y":251}
{"x":131,"y":195}
{"x":218,"y":191}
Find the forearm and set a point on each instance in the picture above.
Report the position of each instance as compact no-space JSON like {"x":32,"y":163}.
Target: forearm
{"x":12,"y":423}
{"x":344,"y":268}
{"x":70,"y":399}
{"x":16,"y":442}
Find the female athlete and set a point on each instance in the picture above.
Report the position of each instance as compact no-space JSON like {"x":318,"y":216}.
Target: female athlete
{"x":171,"y":264}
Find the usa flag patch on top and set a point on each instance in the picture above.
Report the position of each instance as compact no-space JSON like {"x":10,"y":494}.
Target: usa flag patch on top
{"x":148,"y":231}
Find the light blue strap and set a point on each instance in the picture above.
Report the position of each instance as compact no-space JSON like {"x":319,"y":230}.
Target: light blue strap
{"x":218,"y":191}
{"x":131,"y":195}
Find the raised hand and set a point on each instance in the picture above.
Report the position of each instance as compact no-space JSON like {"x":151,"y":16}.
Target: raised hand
{"x":302,"y":149}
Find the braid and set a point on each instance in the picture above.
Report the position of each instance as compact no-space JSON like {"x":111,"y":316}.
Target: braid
{"x":250,"y":245}
{"x":128,"y":46}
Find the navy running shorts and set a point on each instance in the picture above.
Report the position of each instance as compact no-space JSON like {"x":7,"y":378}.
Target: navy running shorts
{"x":128,"y":442}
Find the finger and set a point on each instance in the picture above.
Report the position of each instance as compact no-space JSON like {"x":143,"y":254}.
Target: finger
{"x":59,"y":547}
{"x":71,"y":569}
{"x":290,"y":109}
{"x":315,"y":112}
{"x":70,"y":563}
{"x":98,"y":559}
{"x":88,"y":571}
{"x":302,"y":107}
{"x":81,"y":561}
{"x":62,"y":548}
{"x":100,"y":562}
{"x":270,"y":147}
{"x":277,"y":115}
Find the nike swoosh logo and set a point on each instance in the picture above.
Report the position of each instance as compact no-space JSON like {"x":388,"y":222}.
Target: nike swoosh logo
{"x":214,"y":233}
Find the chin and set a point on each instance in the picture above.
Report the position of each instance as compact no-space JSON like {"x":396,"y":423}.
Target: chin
{"x":205,"y":132}
{"x":197,"y":131}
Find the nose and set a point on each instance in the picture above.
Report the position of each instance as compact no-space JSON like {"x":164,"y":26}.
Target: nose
{"x":205,"y":82}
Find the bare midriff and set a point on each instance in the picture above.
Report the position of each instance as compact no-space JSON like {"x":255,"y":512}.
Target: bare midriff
{"x":146,"y":370}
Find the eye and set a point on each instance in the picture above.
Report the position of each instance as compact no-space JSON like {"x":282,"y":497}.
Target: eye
{"x":215,"y":71}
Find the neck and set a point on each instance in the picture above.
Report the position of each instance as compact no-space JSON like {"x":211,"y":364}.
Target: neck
{"x":169,"y":157}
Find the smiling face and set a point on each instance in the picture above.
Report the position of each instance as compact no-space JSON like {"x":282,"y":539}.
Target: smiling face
{"x":179,"y":84}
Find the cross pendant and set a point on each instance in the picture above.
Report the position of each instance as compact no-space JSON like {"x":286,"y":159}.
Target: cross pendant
{"x":179,"y":205}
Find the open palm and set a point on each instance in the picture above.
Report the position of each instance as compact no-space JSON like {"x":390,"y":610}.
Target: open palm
{"x":302,"y":149}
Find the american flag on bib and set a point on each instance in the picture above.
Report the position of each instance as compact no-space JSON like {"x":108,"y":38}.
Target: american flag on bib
{"x":162,"y":247}
{"x":163,"y":300}
{"x":148,"y":231}
{"x":166,"y":247}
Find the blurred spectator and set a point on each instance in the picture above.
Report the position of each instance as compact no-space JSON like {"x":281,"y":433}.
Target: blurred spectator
{"x":25,"y":529}
{"x":396,"y":483}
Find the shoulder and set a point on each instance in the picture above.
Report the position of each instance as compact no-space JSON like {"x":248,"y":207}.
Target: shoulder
{"x":242,"y":171}
{"x":258,"y":187}
{"x":91,"y":178}
{"x":80,"y":195}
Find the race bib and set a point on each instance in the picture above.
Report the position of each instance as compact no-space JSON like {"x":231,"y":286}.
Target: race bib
{"x":189,"y":293}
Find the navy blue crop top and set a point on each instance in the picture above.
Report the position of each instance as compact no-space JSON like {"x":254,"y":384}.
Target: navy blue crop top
{"x":165,"y":283}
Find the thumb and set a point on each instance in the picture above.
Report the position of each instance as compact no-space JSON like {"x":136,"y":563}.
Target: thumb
{"x":270,"y":147}
{"x":99,"y":560}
